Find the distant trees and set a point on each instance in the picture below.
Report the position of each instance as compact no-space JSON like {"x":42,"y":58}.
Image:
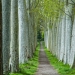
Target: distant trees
{"x":40,"y":34}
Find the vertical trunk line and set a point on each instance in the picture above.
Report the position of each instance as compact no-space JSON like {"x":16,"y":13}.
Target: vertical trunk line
{"x":1,"y":68}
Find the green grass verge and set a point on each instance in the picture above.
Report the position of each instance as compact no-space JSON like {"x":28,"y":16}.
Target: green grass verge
{"x":30,"y":67}
{"x":63,"y":69}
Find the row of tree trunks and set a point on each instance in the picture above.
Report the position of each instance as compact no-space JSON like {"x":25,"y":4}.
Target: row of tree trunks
{"x":1,"y":63}
{"x":62,"y":44}
{"x":18,"y":32}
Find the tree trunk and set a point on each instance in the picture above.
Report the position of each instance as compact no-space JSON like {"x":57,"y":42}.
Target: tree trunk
{"x":68,"y":11}
{"x":1,"y":69}
{"x":62,"y":38}
{"x":6,"y":34}
{"x":72,"y":52}
{"x":59,"y":39}
{"x":14,"y":37}
{"x":23,"y":32}
{"x":29,"y":28}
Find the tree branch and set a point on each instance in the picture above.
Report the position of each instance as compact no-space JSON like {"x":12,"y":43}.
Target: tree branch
{"x":73,"y":1}
{"x":65,"y":12}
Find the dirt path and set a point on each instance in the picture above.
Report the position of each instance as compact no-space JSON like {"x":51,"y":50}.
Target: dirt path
{"x":44,"y":67}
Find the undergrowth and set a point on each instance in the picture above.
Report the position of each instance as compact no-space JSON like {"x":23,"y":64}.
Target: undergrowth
{"x":63,"y":69}
{"x":30,"y":67}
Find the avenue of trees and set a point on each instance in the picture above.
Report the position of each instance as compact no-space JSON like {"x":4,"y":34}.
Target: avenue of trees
{"x":60,"y":32}
{"x":23,"y":21}
{"x":19,"y":34}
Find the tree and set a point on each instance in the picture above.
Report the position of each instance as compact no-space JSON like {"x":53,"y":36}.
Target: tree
{"x":14,"y":37}
{"x":6,"y":34}
{"x":60,"y":32}
{"x":29,"y":28}
{"x":23,"y":31}
{"x":1,"y":63}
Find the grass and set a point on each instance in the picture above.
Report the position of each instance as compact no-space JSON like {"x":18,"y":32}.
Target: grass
{"x":30,"y":67}
{"x":63,"y":69}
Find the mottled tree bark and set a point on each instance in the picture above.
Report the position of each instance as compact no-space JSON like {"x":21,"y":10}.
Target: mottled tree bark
{"x":68,"y":11}
{"x":29,"y":28}
{"x":59,"y":39}
{"x":32,"y":26}
{"x":14,"y":36}
{"x":30,"y":37}
{"x":72,"y":52}
{"x":1,"y":63}
{"x":23,"y":31}
{"x":62,"y":38}
{"x":56,"y":39}
{"x":6,"y":34}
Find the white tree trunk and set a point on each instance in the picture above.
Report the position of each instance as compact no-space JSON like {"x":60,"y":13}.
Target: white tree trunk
{"x":72,"y":52}
{"x":68,"y":27}
{"x":23,"y":32}
{"x":59,"y":39}
{"x":6,"y":34}
{"x":29,"y":28}
{"x":56,"y":39}
{"x":49,"y":38}
{"x":62,"y":38}
{"x":14,"y":36}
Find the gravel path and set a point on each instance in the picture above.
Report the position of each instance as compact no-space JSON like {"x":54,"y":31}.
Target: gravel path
{"x":44,"y":67}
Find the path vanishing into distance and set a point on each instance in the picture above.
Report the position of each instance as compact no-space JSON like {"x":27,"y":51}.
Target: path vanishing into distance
{"x":44,"y":67}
